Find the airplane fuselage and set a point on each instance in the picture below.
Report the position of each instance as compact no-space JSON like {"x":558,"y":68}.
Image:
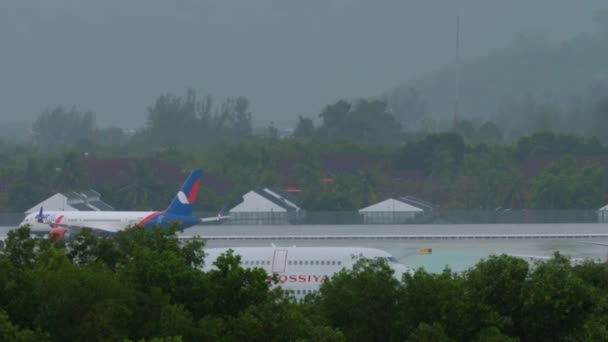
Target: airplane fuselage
{"x":107,"y":221}
{"x":302,"y":270}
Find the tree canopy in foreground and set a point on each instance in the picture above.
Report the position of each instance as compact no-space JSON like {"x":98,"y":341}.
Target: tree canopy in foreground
{"x":147,"y":285}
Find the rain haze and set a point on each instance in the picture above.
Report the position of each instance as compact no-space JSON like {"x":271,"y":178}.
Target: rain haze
{"x":289,"y":58}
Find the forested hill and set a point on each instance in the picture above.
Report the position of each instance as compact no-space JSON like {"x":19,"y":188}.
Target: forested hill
{"x":562,"y":73}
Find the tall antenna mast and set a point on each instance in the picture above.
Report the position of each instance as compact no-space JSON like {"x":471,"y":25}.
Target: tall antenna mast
{"x":457,"y":72}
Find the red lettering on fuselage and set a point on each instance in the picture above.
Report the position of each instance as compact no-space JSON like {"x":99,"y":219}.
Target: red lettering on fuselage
{"x":302,"y":278}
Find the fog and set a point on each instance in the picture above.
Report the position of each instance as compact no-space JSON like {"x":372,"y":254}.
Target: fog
{"x":289,"y":58}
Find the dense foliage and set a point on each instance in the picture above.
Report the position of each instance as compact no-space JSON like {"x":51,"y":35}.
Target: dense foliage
{"x":146,"y":285}
{"x":541,"y":171}
{"x":362,"y":151}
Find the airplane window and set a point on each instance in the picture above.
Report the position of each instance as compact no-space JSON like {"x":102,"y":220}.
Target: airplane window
{"x":333,"y":262}
{"x":392,"y":259}
{"x":339,"y":263}
{"x":300,"y":262}
{"x":322,"y":262}
{"x":298,"y":291}
{"x":257,"y":262}
{"x":306,"y":262}
{"x":317,"y":262}
{"x":289,"y":262}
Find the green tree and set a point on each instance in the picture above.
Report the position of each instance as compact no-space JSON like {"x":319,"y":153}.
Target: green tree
{"x":30,"y":187}
{"x":72,"y":175}
{"x":488,"y":180}
{"x":564,"y":185}
{"x":59,"y":127}
{"x":433,"y":298}
{"x":429,"y":333}
{"x":556,"y":303}
{"x":362,"y":303}
{"x":172,"y":121}
{"x":408,"y":106}
{"x":141,"y":193}
{"x":496,"y":293}
{"x":305,"y":128}
{"x":9,"y":332}
{"x":422,"y":154}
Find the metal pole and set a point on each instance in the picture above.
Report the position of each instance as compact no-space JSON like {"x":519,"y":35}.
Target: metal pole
{"x":457,"y":71}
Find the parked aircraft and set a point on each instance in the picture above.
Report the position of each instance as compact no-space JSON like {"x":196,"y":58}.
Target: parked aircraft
{"x":63,"y":223}
{"x":302,"y":270}
{"x":573,"y":261}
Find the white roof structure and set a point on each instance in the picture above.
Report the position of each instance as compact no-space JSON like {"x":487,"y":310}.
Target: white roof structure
{"x":390,"y":204}
{"x":88,"y":200}
{"x":265,"y":201}
{"x":604,"y":208}
{"x":57,"y":202}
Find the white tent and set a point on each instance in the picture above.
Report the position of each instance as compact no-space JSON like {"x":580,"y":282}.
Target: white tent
{"x":253,"y":202}
{"x":264,"y":207}
{"x":57,"y":202}
{"x":88,"y":200}
{"x":390,"y":211}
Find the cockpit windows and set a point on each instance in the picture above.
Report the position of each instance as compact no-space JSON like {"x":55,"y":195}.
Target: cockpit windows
{"x":387,"y":259}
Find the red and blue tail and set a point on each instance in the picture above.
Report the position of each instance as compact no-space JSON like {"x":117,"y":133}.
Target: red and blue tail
{"x":182,"y":203}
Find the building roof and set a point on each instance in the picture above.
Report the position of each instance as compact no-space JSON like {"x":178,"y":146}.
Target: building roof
{"x":390,"y":204}
{"x":276,"y":197}
{"x":284,"y":196}
{"x":73,"y":201}
{"x":71,"y":195}
{"x":101,"y":205}
{"x":419,"y":203}
{"x":266,"y":200}
{"x":82,"y":207}
{"x":56,"y":202}
{"x":91,"y":194}
{"x":403,"y":203}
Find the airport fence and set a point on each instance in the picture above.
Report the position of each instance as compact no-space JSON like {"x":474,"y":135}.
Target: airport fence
{"x":432,"y":217}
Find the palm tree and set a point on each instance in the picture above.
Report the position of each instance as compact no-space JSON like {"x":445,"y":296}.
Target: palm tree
{"x":72,"y":174}
{"x":144,"y":184}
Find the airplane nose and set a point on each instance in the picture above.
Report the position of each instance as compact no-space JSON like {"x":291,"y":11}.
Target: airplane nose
{"x":400,"y":270}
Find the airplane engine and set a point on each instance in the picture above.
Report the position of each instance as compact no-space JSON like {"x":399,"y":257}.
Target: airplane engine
{"x":59,"y":234}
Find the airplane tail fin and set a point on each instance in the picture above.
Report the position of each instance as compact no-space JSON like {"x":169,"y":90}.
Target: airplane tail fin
{"x":40,"y":216}
{"x":182,"y":203}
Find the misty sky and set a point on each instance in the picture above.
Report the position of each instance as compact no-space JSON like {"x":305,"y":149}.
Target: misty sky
{"x":290,"y":58}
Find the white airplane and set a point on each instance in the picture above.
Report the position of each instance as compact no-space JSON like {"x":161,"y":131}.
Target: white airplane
{"x":537,"y":258}
{"x":573,"y":261}
{"x":64,"y":223}
{"x":301,"y":270}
